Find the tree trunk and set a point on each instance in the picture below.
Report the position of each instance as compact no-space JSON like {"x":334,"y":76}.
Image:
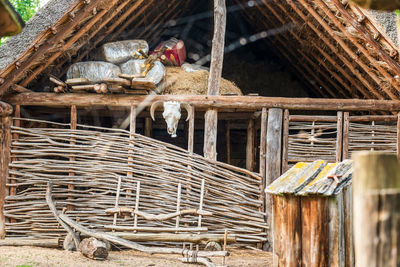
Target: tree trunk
{"x":93,"y":249}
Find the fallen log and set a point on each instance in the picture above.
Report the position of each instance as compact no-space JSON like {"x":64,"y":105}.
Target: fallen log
{"x":18,"y":242}
{"x":93,"y":249}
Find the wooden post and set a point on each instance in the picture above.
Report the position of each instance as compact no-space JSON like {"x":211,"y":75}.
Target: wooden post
{"x":287,"y":231}
{"x":263,"y":151}
{"x":148,"y":123}
{"x":214,"y":80}
{"x":273,"y":157}
{"x":285,"y":145}
{"x":398,"y":134}
{"x":228,"y":142}
{"x":17,"y":123}
{"x":5,"y":144}
{"x":339,"y":136}
{"x":346,"y":128}
{"x":376,"y":198}
{"x":191,"y":132}
{"x":250,"y":146}
{"x":132,"y":131}
{"x":74,"y":119}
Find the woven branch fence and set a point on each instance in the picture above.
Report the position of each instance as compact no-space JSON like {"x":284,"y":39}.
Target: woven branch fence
{"x":92,"y":158}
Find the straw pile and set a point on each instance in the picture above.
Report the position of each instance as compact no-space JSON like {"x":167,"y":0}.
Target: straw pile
{"x":194,"y":83}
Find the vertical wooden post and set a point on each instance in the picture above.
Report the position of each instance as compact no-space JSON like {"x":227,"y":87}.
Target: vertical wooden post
{"x":376,"y":198}
{"x":228,"y":141}
{"x":5,"y":145}
{"x":346,"y":128}
{"x":287,"y":231}
{"x":398,"y":134}
{"x":132,"y":130}
{"x":273,"y":157}
{"x":148,"y":124}
{"x":285,"y":145}
{"x":339,"y":136}
{"x":74,"y":120}
{"x":191,"y":132}
{"x":214,"y":80}
{"x":263,"y":151}
{"x":250,"y":146}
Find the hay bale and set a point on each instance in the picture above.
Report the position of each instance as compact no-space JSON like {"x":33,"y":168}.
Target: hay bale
{"x":194,"y":83}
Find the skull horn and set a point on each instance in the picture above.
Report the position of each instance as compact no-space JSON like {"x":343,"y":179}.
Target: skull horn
{"x":154,"y":107}
{"x":189,"y":110}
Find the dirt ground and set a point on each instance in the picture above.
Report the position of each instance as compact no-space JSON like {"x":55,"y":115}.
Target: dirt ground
{"x":34,"y":257}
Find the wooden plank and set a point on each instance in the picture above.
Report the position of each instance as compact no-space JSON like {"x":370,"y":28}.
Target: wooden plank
{"x":376,"y":194}
{"x":250,"y":145}
{"x":273,"y":156}
{"x":369,"y":118}
{"x":210,"y":134}
{"x":345,"y":143}
{"x":5,"y":156}
{"x":348,"y":230}
{"x":339,"y":136}
{"x":285,"y":141}
{"x":250,"y":103}
{"x":132,"y":131}
{"x":287,"y":231}
{"x":263,"y":152}
{"x":314,"y":230}
{"x":71,"y":187}
{"x":336,"y":235}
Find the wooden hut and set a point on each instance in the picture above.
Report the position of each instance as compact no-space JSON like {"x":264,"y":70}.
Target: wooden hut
{"x":324,"y":72}
{"x":312,"y":215}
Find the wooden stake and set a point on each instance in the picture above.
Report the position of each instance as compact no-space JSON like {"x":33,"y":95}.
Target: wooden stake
{"x":137,"y":203}
{"x":285,"y":145}
{"x":339,"y":136}
{"x":346,"y":126}
{"x":250,"y":146}
{"x":117,"y":199}
{"x":376,"y":194}
{"x":148,"y":124}
{"x":178,"y":204}
{"x":132,"y":130}
{"x":5,"y":145}
{"x":72,"y":158}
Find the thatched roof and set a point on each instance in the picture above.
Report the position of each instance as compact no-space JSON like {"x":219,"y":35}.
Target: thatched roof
{"x":338,"y":50}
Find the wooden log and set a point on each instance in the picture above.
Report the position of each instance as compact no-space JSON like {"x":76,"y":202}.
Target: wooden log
{"x":286,"y":231}
{"x":273,"y":156}
{"x":210,"y":134}
{"x":205,"y":261}
{"x":249,"y":103}
{"x":143,"y":83}
{"x":84,"y":87}
{"x":77,"y":81}
{"x":130,"y":76}
{"x":155,"y":229}
{"x":172,"y":237}
{"x":251,"y":145}
{"x":5,"y":156}
{"x":93,"y":249}
{"x":21,"y":242}
{"x":20,"y":89}
{"x":339,"y":136}
{"x":74,"y":121}
{"x":5,"y":109}
{"x":376,"y":194}
{"x":118,"y":81}
{"x":314,"y":242}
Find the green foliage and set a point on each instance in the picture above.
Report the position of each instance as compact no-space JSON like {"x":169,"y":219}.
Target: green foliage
{"x":26,"y":8}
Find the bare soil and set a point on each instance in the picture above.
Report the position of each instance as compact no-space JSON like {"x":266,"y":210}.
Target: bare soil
{"x":34,"y":257}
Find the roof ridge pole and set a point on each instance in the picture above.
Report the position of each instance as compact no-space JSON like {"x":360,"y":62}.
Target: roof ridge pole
{"x":214,"y":80}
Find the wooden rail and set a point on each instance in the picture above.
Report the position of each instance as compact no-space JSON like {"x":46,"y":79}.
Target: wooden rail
{"x":251,"y":103}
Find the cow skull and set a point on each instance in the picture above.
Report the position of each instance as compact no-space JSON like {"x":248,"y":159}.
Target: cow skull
{"x":171,"y":114}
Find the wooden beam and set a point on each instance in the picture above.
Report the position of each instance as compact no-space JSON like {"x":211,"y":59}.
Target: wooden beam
{"x":273,"y":157}
{"x":5,"y":146}
{"x":214,"y":80}
{"x":245,"y":103}
{"x":376,"y":194}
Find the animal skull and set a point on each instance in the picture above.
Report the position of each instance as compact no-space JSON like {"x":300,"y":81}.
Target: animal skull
{"x":171,"y":114}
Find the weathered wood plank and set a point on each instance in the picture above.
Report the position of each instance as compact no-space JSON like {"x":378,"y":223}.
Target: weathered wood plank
{"x":339,"y":136}
{"x":210,"y":134}
{"x":285,"y":141}
{"x":336,"y":231}
{"x":286,"y":231}
{"x":346,"y":128}
{"x":250,"y":145}
{"x":376,"y":194}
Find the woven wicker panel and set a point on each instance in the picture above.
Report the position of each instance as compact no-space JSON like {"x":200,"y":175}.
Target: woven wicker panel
{"x":101,"y":156}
